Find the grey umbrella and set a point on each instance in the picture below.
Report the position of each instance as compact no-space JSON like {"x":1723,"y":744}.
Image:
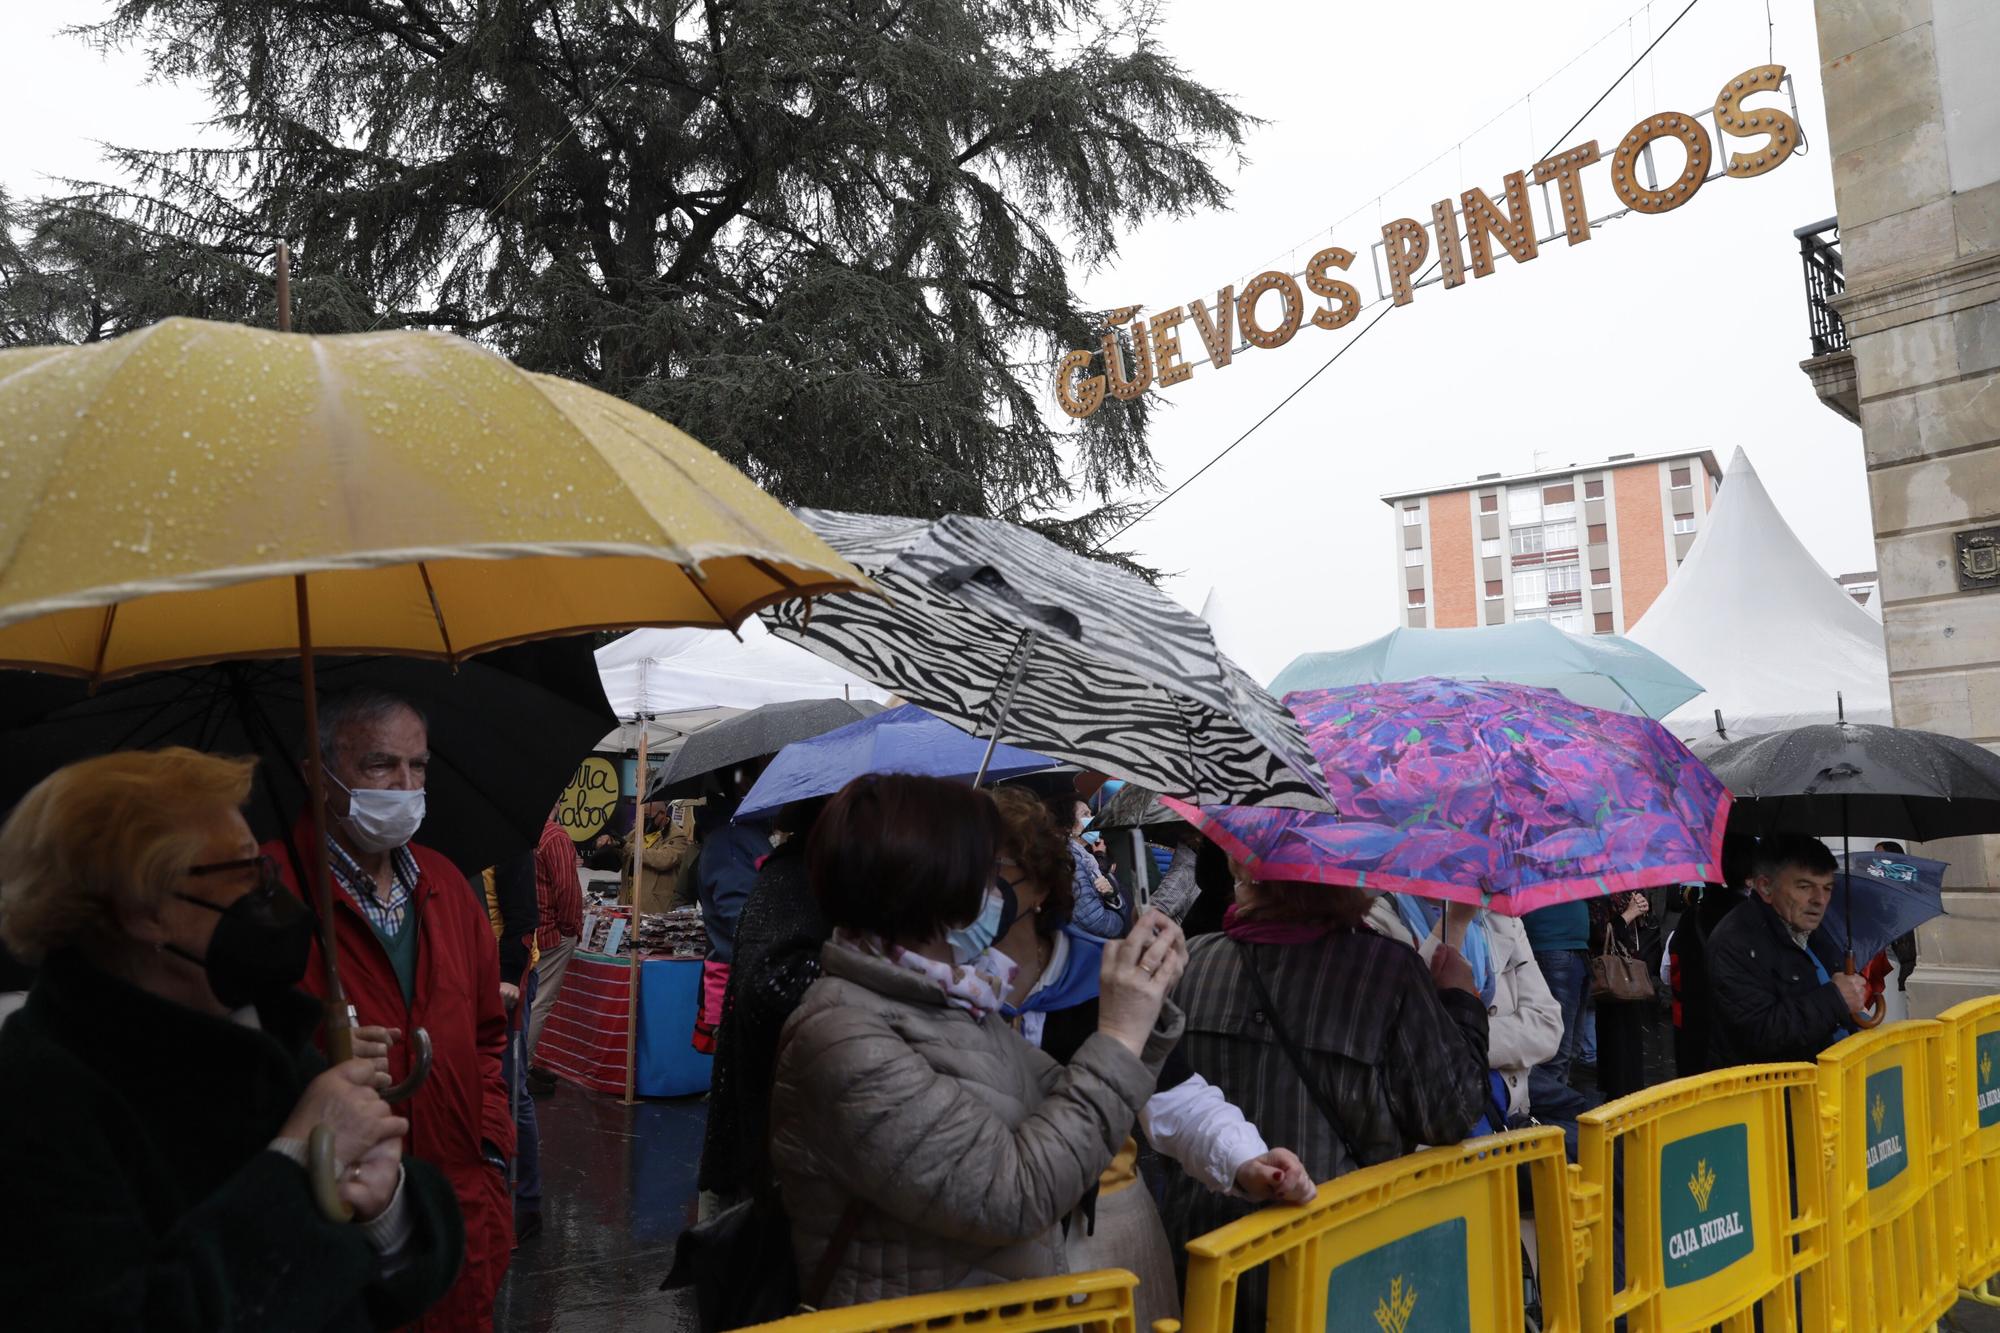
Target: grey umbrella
{"x":1002,"y":632}
{"x":1132,"y":806}
{"x":758,"y":733}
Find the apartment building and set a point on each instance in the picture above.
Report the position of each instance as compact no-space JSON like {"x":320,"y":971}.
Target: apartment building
{"x":1587,"y":547}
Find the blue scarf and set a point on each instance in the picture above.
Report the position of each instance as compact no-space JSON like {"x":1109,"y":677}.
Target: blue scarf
{"x":1421,"y":915}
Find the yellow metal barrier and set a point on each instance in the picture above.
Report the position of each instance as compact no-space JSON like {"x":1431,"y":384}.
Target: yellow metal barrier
{"x":1699,"y":1169}
{"x":1100,"y":1302}
{"x":1889,"y":1172}
{"x":1971,"y":1050}
{"x":1429,"y":1241}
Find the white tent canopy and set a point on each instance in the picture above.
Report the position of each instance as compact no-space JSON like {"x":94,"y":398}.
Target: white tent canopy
{"x":1775,"y":641}
{"x":685,"y":679}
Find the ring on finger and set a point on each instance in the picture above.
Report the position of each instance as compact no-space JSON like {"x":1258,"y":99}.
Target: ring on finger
{"x":354,"y":1171}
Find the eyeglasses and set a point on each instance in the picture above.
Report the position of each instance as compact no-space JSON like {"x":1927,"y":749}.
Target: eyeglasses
{"x":267,"y":870}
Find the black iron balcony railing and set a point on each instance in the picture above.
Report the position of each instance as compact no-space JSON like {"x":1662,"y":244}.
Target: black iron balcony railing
{"x":1819,"y":249}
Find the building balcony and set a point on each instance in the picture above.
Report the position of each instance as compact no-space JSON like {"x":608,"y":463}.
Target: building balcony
{"x":1831,"y":365}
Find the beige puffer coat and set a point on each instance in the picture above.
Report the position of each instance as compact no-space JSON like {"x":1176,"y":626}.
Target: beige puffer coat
{"x":968,"y":1145}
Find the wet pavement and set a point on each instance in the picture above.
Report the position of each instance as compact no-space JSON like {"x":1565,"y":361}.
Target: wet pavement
{"x":618,"y":1186}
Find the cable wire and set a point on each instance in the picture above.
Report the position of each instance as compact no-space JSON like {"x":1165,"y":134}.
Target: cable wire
{"x":1369,"y":327}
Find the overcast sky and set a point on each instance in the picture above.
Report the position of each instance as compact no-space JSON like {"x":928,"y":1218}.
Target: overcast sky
{"x":1678,"y":331}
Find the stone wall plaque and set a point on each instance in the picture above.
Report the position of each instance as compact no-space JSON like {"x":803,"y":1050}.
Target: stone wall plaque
{"x":1978,"y":563}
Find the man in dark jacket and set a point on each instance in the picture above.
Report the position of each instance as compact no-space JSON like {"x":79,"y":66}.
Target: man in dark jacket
{"x":1770,"y":998}
{"x":1688,"y":962}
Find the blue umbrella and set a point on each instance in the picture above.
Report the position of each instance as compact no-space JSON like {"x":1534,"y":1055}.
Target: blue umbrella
{"x":1880,"y":895}
{"x":897,"y":740}
{"x":1595,"y":670}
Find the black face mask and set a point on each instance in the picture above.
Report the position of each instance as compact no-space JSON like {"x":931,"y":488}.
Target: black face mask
{"x":260,"y":946}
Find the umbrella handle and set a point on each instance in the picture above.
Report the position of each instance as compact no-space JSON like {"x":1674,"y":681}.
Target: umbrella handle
{"x":324,"y":1173}
{"x":420,"y":1068}
{"x":1874,"y":1011}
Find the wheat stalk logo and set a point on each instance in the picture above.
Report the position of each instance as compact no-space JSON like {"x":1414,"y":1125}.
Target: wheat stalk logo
{"x":1878,"y":1111}
{"x":1393,"y":1314}
{"x":1701,"y":1184}
{"x":1986,"y":1067}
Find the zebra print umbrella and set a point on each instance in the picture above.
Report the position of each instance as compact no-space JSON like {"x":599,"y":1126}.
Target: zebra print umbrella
{"x":987,"y":623}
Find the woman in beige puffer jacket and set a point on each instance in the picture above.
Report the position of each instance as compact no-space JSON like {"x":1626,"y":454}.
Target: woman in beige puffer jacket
{"x":899,"y":1088}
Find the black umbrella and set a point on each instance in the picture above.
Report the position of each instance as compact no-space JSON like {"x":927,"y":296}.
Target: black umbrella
{"x":1834,"y":777}
{"x":757,"y":734}
{"x":507,"y":730}
{"x":1891,"y":781}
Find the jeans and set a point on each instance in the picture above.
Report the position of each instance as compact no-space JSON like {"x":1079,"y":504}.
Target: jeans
{"x":1550,"y":1096}
{"x":1586,"y":1041}
{"x":527,"y":1131}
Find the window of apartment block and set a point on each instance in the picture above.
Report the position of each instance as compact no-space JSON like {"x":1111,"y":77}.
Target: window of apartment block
{"x":1564,"y":578}
{"x":1600,"y":533}
{"x":1489,"y":504}
{"x":1558,"y":536}
{"x":1524,"y":506}
{"x":1564,"y":493}
{"x":1489,"y":546}
{"x":1683,"y":526}
{"x":1681,"y":476}
{"x":1412,"y":515}
{"x":1525,"y":541}
{"x":1413,"y":558}
{"x":1493,"y":587}
{"x":1571,"y":619}
{"x":1600,"y":578}
{"x":1416,"y":597}
{"x":1603,"y":622}
{"x":1531,"y":588}
{"x":1593,"y":490}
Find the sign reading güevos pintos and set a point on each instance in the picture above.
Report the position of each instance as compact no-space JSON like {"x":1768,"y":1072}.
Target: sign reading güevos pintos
{"x":1136,"y":354}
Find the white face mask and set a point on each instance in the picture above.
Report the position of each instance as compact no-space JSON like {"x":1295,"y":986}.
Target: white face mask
{"x":379,"y":820}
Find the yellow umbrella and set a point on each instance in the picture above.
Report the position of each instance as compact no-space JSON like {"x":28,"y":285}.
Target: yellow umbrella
{"x":159,"y":492}
{"x":196,"y":492}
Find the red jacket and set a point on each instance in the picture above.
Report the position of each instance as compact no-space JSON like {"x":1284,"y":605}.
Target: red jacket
{"x":457,"y":1000}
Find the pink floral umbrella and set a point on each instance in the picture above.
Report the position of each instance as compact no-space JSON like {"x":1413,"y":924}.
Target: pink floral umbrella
{"x":1474,"y":791}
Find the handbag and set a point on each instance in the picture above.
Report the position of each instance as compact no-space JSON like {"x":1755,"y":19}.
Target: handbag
{"x":1618,"y":974}
{"x":741,"y":1266}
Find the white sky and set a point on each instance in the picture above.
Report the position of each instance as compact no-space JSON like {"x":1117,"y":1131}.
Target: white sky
{"x":1678,"y":331}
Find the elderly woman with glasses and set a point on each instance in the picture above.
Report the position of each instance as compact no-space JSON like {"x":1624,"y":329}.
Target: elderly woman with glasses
{"x":162,"y":1084}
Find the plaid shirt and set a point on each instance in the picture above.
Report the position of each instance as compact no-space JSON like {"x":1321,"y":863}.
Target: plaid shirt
{"x":1402,"y":1062}
{"x":558,"y":888}
{"x":360,"y":886}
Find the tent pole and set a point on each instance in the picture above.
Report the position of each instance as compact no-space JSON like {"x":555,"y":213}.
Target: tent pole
{"x":638,"y":889}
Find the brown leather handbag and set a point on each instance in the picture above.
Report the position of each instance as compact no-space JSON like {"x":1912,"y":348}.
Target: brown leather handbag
{"x":1618,"y":974}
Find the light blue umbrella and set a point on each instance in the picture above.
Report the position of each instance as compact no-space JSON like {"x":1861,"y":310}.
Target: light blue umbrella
{"x":1596,"y":670}
{"x":897,"y":740}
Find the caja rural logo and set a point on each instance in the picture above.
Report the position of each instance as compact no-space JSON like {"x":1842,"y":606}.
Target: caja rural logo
{"x":1393,"y":1312}
{"x":1710,"y":1227}
{"x":1701,"y":1184}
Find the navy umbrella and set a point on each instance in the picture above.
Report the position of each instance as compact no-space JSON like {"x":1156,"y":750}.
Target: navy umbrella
{"x":1884,"y":895}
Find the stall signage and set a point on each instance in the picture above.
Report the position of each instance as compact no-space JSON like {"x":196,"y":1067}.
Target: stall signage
{"x":1466,"y":235}
{"x":587,"y":803}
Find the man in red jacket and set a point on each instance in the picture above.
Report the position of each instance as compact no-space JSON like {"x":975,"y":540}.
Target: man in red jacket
{"x":416,"y":951}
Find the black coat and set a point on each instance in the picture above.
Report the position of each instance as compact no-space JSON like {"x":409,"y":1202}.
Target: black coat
{"x":140,"y":1192}
{"x":1694,"y":1037}
{"x":1766,"y":1001}
{"x":778,"y":942}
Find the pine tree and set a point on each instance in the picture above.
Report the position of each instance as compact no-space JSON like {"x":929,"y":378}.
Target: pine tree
{"x":833,"y":239}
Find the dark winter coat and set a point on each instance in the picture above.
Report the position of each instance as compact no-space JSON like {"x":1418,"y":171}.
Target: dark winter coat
{"x":1766,"y":1000}
{"x":778,"y":942}
{"x":133,"y":1140}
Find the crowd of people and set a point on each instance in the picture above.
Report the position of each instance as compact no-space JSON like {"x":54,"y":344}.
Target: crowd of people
{"x":955,"y":1044}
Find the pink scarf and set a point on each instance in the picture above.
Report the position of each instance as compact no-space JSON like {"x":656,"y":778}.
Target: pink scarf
{"x":977,"y":987}
{"x":1270,"y":932}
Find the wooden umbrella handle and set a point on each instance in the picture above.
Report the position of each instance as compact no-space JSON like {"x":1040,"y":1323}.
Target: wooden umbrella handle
{"x":420,"y":1068}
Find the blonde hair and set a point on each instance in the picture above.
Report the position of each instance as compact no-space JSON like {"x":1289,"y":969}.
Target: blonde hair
{"x":104,"y":835}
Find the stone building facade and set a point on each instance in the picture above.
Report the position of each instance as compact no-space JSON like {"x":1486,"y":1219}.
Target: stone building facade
{"x":1913,"y":123}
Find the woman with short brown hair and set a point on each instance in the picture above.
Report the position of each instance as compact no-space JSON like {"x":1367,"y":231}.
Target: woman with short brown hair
{"x":162,"y":1084}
